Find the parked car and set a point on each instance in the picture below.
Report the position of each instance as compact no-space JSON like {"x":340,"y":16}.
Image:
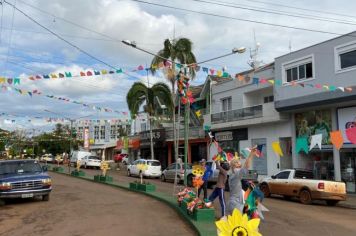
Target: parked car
{"x":175,"y":169}
{"x":24,"y":179}
{"x":91,"y":161}
{"x":153,"y":168}
{"x":119,"y":157}
{"x":301,"y":183}
{"x":47,"y":158}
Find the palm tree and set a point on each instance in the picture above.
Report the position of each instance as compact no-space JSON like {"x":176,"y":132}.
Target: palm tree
{"x":139,"y":94}
{"x":177,"y":50}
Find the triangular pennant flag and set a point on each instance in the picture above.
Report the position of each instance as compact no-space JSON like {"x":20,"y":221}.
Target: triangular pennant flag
{"x":205,"y":69}
{"x":341,"y":88}
{"x":302,"y":145}
{"x":38,"y":77}
{"x":316,"y":140}
{"x":82,"y":73}
{"x":198,"y":113}
{"x":212,"y":71}
{"x":240,"y":77}
{"x":119,"y":71}
{"x":271,"y":81}
{"x":337,"y":139}
{"x":326,"y":87}
{"x":9,"y":81}
{"x":351,"y":134}
{"x":16,"y":81}
{"x":140,"y":67}
{"x":225,"y":75}
{"x":31,"y":78}
{"x":54,"y":76}
{"x":29,"y":93}
{"x":255,"y":81}
{"x":332,"y":88}
{"x":277,"y":148}
{"x":318,"y":86}
{"x":61,"y":75}
{"x":89,"y":73}
{"x":278,"y":82}
{"x":103,"y":72}
{"x":111,"y":72}
{"x":68,"y":74}
{"x":96,"y":72}
{"x":2,"y":80}
{"x":219,"y":73}
{"x":263,"y":81}
{"x":46,"y":76}
{"x":348,"y":89}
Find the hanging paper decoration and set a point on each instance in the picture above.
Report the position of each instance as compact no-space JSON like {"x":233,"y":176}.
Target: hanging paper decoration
{"x":255,"y":81}
{"x":277,"y":148}
{"x":316,"y":140}
{"x":351,"y":134}
{"x":198,"y":113}
{"x":337,"y":139}
{"x":302,"y":145}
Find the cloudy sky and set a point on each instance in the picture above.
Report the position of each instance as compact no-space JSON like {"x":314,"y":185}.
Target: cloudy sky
{"x":98,"y":26}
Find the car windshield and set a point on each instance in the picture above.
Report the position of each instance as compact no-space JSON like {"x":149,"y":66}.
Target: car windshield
{"x":153,"y":163}
{"x":19,"y":167}
{"x":94,"y":158}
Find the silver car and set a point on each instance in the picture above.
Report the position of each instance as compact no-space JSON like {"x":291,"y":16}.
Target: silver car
{"x":176,"y":169}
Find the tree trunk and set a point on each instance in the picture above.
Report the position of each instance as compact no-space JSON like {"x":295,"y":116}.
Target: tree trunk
{"x":151,"y":137}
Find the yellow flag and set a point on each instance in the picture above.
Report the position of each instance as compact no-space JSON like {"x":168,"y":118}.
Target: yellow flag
{"x":198,"y":113}
{"x":219,"y":73}
{"x":271,"y":81}
{"x":277,"y":148}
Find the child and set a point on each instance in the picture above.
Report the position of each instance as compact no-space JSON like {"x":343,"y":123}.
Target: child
{"x":220,"y":187}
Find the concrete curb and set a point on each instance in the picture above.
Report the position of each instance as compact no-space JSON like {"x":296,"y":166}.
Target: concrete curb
{"x":201,"y":228}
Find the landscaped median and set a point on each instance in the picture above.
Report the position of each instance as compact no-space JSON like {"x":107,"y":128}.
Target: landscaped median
{"x":204,"y":226}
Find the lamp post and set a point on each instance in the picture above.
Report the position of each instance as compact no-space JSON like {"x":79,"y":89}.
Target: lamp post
{"x":187,"y":105}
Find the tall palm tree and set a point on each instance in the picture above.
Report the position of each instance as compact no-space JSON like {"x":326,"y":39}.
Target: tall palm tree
{"x":139,"y":95}
{"x":177,"y":50}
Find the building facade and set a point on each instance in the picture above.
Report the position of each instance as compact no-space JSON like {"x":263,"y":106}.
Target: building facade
{"x":318,"y":91}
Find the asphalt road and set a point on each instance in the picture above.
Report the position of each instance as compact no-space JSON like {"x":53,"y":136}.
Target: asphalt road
{"x":285,"y":217}
{"x":80,"y":207}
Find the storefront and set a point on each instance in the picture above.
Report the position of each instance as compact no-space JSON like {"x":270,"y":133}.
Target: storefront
{"x":320,"y":161}
{"x":159,"y":144}
{"x":130,"y":146}
{"x":346,"y":117}
{"x":229,"y":141}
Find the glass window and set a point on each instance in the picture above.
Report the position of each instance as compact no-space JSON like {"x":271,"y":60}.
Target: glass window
{"x":301,"y":71}
{"x":283,"y":175}
{"x":96,"y":132}
{"x":289,"y":75}
{"x":113,"y":132}
{"x":309,"y":70}
{"x":153,"y":163}
{"x":348,"y":59}
{"x":295,"y":73}
{"x":102,"y":132}
{"x":226,"y":104}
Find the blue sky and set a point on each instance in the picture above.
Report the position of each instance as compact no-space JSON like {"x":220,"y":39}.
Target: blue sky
{"x":27,"y":49}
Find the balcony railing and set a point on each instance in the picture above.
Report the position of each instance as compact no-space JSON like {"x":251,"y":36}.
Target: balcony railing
{"x":194,"y":132}
{"x":239,"y":114}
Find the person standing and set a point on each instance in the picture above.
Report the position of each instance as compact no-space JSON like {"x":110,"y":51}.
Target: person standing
{"x":208,"y":172}
{"x":220,"y":187}
{"x":235,"y":176}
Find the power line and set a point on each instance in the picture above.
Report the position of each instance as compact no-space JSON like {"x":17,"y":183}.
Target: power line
{"x":241,"y":19}
{"x":304,"y":9}
{"x":232,"y":5}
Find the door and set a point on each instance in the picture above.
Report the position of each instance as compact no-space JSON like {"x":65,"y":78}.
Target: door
{"x":279,"y":185}
{"x":133,"y":168}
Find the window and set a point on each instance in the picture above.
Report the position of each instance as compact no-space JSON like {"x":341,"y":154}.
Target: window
{"x":345,"y":57}
{"x":226,"y":104}
{"x":80,"y":133}
{"x":268,"y":99}
{"x":348,"y":59}
{"x":102,"y":132}
{"x":283,"y":175}
{"x":297,"y":70}
{"x":96,"y":132}
{"x":300,"y":72}
{"x":143,"y":127}
{"x":113,"y":132}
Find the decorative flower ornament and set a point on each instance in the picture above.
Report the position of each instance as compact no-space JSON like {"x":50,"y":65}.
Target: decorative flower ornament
{"x":238,"y":225}
{"x":198,"y":170}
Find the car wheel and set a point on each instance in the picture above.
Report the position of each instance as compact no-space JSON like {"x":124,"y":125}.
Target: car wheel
{"x":128,"y":173}
{"x":45,"y":198}
{"x":163,"y":178}
{"x":265,"y":189}
{"x":331,"y":202}
{"x":305,"y":197}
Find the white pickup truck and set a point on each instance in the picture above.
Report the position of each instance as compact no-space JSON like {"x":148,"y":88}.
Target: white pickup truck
{"x":300,"y":183}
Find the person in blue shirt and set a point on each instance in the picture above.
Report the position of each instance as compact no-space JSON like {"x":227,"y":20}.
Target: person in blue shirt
{"x":208,"y":172}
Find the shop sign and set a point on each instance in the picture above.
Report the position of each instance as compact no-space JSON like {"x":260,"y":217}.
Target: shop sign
{"x":346,"y":119}
{"x":157,"y":135}
{"x":224,"y":136}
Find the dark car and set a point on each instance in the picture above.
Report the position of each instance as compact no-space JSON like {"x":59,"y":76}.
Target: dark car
{"x":24,"y":179}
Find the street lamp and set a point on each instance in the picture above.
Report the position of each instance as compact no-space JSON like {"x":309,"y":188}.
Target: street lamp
{"x":187,"y":105}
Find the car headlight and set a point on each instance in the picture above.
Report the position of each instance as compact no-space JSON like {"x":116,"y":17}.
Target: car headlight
{"x":5,"y":186}
{"x":47,"y":181}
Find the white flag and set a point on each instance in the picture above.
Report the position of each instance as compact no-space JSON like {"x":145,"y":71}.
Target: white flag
{"x":341,"y":88}
{"x":316,"y":140}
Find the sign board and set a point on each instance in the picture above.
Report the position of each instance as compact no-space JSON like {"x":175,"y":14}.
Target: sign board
{"x":346,"y":119}
{"x":224,"y":136}
{"x":86,"y":138}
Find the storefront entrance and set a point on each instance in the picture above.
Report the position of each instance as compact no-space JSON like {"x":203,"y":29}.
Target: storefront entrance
{"x":347,"y":164}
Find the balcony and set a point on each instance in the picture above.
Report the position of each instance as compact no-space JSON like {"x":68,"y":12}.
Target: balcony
{"x":258,"y":114}
{"x":239,"y":114}
{"x":194,"y":133}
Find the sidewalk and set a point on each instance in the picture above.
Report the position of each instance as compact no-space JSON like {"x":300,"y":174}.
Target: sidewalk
{"x":350,"y":202}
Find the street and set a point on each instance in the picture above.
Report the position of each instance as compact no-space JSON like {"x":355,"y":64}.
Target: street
{"x":284,"y":218}
{"x":80,"y":207}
